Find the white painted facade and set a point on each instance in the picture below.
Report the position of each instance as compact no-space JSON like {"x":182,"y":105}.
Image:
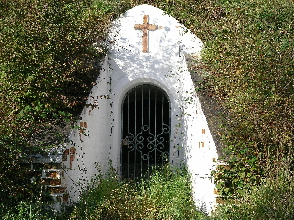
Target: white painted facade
{"x":125,"y":67}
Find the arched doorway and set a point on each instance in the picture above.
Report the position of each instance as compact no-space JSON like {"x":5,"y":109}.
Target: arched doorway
{"x":145,"y":131}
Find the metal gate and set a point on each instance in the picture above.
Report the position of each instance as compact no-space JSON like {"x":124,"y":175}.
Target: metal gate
{"x":145,"y":131}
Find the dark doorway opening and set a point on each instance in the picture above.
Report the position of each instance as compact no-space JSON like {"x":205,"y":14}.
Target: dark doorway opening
{"x":145,"y":131}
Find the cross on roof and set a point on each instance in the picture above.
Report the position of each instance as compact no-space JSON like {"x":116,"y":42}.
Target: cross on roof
{"x":145,"y":27}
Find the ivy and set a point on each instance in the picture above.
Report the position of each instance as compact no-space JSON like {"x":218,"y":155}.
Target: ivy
{"x":48,"y":65}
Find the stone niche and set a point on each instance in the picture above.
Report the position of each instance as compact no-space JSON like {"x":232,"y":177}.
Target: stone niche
{"x":146,"y":63}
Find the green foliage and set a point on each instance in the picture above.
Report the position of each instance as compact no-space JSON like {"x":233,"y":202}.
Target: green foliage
{"x":48,"y":64}
{"x":241,"y":172}
{"x":249,"y":54}
{"x":45,"y":69}
{"x":273,"y":199}
{"x":27,"y":210}
{"x":166,"y":195}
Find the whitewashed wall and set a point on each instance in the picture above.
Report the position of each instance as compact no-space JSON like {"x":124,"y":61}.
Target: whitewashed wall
{"x":125,"y":67}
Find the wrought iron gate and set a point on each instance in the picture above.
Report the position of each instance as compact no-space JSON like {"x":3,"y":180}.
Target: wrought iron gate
{"x":145,"y":131}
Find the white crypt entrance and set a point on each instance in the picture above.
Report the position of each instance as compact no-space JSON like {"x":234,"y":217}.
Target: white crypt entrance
{"x":144,"y":110}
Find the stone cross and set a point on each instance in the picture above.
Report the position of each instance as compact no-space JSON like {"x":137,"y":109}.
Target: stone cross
{"x":145,"y":27}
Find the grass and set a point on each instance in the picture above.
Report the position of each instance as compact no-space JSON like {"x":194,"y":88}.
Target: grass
{"x":166,"y":195}
{"x":273,"y":199}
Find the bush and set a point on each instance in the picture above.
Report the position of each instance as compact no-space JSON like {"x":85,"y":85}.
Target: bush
{"x":48,"y":65}
{"x":250,"y":58}
{"x":166,"y":195}
{"x":28,"y":211}
{"x":273,"y":199}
